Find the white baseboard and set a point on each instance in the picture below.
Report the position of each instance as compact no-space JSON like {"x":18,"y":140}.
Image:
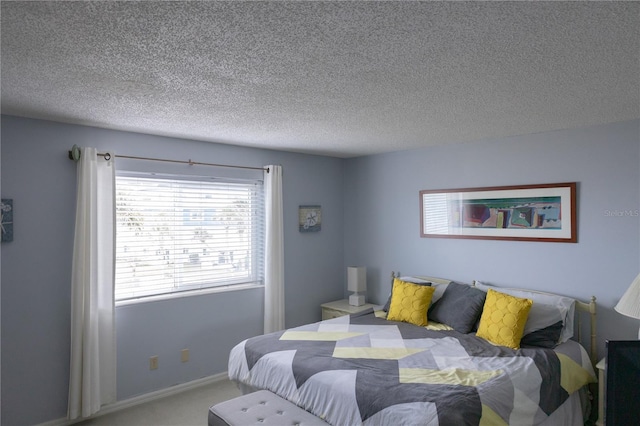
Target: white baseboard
{"x":141,"y":399}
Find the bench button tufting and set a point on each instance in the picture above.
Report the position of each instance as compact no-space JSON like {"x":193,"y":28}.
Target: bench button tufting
{"x":279,"y":411}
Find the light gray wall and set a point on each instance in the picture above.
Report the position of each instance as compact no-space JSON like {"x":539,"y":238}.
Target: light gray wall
{"x":0,"y":288}
{"x":370,"y":217}
{"x":382,"y":227}
{"x":35,"y":309}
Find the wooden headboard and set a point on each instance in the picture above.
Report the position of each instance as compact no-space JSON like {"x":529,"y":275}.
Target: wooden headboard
{"x":581,"y":307}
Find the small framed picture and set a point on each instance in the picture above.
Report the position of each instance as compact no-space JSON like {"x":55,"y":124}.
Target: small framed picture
{"x":6,"y":208}
{"x":310,"y":218}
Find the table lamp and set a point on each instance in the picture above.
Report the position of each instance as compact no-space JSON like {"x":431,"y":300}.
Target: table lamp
{"x":357,"y":282}
{"x":629,"y":303}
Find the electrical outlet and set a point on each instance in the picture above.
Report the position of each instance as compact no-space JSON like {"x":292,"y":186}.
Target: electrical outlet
{"x":184,"y":355}
{"x":153,"y":363}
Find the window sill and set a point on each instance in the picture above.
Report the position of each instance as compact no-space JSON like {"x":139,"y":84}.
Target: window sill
{"x":190,"y":293}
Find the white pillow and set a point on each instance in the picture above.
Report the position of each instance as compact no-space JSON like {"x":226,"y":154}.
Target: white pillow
{"x":414,"y":280}
{"x":547,"y":309}
{"x":439,"y":291}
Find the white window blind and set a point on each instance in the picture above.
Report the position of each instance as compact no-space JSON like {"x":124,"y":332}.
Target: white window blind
{"x":177,"y":234}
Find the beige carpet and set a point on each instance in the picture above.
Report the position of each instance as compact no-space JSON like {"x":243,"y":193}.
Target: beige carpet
{"x":189,"y":408}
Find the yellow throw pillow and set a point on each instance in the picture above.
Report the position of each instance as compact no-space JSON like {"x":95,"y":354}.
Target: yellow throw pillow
{"x":503,"y":319}
{"x":410,"y":302}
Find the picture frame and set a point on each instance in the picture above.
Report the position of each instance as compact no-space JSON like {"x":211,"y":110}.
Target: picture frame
{"x":310,"y":218}
{"x":6,"y":221}
{"x":545,"y":212}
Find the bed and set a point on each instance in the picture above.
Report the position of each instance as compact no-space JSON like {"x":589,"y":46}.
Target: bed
{"x":372,"y":369}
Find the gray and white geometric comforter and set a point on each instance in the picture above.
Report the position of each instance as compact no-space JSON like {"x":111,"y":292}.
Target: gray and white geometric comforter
{"x":361,"y":369}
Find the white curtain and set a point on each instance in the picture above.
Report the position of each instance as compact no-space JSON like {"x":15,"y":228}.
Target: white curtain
{"x":274,"y":251}
{"x":92,"y":381}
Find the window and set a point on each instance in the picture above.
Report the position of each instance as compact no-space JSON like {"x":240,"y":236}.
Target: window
{"x":177,"y":234}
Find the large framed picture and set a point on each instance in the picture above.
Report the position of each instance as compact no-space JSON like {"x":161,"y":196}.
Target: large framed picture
{"x":544,"y":212}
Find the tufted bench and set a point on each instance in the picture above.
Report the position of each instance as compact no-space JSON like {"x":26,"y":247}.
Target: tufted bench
{"x":261,"y":408}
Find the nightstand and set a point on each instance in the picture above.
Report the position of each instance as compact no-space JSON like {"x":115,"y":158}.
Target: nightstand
{"x":342,"y":307}
{"x":601,"y":389}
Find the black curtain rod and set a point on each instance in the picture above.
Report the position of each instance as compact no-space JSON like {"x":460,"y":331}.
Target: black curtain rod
{"x":74,"y":154}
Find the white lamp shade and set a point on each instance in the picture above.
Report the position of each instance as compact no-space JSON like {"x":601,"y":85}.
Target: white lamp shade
{"x":629,"y":303}
{"x":357,"y":278}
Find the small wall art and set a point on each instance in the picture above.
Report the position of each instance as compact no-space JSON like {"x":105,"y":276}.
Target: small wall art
{"x":6,"y":208}
{"x":310,"y":218}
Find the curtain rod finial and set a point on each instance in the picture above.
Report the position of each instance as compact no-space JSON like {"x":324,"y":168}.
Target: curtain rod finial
{"x":74,"y":153}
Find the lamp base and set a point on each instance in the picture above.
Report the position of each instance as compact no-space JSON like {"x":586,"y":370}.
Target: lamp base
{"x":356,"y":300}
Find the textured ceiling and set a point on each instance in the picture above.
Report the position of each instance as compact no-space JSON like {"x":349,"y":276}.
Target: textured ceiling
{"x":334,"y":78}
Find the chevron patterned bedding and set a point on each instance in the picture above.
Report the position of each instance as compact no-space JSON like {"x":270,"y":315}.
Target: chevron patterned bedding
{"x":362,"y":369}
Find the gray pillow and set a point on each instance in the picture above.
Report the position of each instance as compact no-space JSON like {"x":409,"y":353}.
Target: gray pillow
{"x":544,"y":338}
{"x":459,"y":307}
